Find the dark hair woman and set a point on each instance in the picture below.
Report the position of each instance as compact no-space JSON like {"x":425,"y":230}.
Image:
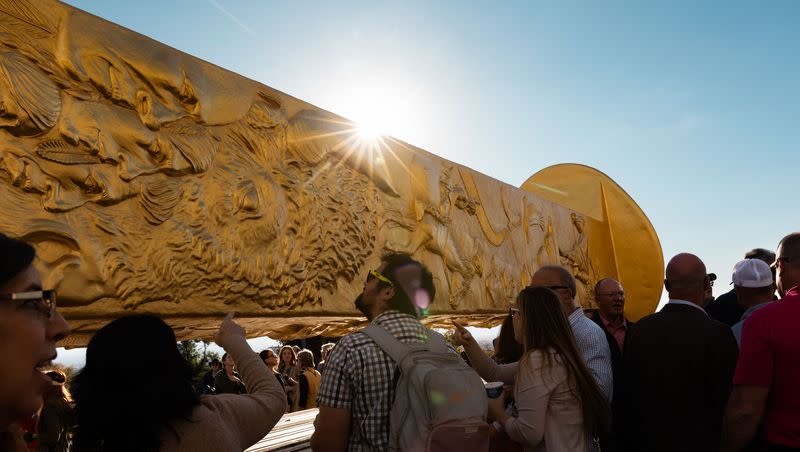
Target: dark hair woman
{"x":270,"y":358}
{"x":507,"y":350}
{"x":559,"y":404}
{"x":30,"y":327}
{"x":228,"y":381}
{"x":119,"y":408}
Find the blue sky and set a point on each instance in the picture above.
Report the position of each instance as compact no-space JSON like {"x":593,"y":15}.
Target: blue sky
{"x":693,"y":108}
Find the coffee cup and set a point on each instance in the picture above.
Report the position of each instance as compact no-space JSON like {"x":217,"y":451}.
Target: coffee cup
{"x":494,"y":389}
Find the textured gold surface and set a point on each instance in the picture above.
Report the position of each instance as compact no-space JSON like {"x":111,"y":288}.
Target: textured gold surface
{"x":152,"y":181}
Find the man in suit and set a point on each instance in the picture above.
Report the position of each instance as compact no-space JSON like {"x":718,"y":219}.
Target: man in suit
{"x":610,"y":317}
{"x":678,"y":365}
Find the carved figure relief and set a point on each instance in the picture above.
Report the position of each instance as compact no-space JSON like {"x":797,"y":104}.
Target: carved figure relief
{"x":152,"y":181}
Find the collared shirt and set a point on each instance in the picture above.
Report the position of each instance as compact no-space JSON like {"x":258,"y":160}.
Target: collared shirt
{"x":617,"y":329}
{"x":359,"y":376}
{"x":769,"y":359}
{"x":592,"y":343}
{"x":737,"y":328}
{"x":687,"y":303}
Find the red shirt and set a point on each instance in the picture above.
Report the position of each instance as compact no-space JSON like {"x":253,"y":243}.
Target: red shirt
{"x":770,"y":358}
{"x":617,"y":329}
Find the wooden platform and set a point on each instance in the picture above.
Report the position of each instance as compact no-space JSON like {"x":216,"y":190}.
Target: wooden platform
{"x":292,"y":433}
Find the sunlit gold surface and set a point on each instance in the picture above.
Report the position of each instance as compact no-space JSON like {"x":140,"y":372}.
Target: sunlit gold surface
{"x":621,"y":233}
{"x":152,"y":181}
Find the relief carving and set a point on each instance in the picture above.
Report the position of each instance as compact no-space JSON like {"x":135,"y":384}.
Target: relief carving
{"x":151,"y":181}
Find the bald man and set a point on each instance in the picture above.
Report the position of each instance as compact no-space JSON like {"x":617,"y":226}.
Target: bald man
{"x":610,"y":316}
{"x":678,"y":365}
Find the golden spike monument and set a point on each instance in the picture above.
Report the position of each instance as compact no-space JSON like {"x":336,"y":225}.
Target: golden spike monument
{"x":154,"y":182}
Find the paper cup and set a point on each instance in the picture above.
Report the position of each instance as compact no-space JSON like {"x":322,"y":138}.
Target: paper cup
{"x":494,"y":389}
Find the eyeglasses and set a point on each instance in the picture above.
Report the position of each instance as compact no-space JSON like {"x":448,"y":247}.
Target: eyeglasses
{"x":513,"y":312}
{"x":619,"y":293}
{"x":558,"y":287}
{"x":43,"y":301}
{"x":375,"y":275}
{"x":785,"y":260}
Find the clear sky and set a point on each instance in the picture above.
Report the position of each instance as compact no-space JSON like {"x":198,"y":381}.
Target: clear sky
{"x":694,"y":109}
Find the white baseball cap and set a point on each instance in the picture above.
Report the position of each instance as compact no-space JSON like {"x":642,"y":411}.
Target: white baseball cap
{"x":752,"y":273}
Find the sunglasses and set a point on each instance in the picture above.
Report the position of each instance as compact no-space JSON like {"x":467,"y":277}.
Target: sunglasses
{"x":43,"y":301}
{"x":375,"y":275}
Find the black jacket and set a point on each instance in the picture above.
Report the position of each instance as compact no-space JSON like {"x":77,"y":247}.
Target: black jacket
{"x":616,"y":353}
{"x":678,"y":366}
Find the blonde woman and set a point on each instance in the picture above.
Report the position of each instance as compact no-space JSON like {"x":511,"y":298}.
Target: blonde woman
{"x":558,"y":403}
{"x":308,"y":382}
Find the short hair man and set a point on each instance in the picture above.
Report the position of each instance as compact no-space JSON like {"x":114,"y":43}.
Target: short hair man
{"x":767,"y":374}
{"x":726,"y":308}
{"x":208,"y":378}
{"x":357,"y":389}
{"x":754,"y":286}
{"x":589,"y":337}
{"x":610,"y":316}
{"x":678,"y":366}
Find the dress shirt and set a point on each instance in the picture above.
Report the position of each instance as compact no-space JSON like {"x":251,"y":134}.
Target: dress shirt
{"x":592,"y":343}
{"x":617,"y":330}
{"x":687,"y":303}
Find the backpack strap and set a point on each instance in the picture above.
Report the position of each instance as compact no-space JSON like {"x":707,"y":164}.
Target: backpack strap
{"x":437,"y":341}
{"x":387,"y":342}
{"x":396,"y":349}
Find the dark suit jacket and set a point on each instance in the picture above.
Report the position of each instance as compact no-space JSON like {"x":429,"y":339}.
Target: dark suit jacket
{"x":616,"y":353}
{"x":678,"y":366}
{"x":610,"y":442}
{"x":726,"y":308}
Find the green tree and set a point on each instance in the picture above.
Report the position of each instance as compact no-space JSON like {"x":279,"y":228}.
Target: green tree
{"x":196,"y":353}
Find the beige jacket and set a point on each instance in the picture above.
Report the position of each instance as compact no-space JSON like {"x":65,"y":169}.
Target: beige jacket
{"x":549,"y":416}
{"x":232,"y":422}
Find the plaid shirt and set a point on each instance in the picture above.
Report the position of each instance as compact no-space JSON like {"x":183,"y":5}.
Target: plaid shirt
{"x":359,"y":376}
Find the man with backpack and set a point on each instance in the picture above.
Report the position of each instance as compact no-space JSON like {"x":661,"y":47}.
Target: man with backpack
{"x":396,"y":385}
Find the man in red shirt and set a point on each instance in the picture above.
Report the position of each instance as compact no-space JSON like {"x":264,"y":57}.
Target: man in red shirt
{"x":768,"y":371}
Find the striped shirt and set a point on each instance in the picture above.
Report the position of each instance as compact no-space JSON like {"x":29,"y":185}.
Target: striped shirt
{"x":359,"y":376}
{"x":592,"y":343}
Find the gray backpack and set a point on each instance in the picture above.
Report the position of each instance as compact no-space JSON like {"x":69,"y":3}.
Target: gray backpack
{"x":440,"y":403}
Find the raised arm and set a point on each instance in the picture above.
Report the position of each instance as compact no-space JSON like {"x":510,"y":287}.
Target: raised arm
{"x":485,"y":366}
{"x":254,"y":414}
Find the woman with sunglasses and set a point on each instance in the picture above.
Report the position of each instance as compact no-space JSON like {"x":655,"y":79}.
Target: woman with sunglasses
{"x":558,"y":404}
{"x":30,"y":327}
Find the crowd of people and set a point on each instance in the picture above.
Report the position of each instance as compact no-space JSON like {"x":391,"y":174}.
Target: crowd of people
{"x":692,"y":377}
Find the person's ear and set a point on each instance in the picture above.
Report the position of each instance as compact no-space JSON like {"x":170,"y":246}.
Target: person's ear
{"x":666,"y":284}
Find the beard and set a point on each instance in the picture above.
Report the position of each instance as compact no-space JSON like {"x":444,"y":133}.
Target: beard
{"x":361,"y":306}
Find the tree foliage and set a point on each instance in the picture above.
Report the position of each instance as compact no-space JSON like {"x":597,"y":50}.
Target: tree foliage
{"x":196,"y":353}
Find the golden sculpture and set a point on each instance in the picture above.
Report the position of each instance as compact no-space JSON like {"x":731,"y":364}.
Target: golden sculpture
{"x":152,"y":181}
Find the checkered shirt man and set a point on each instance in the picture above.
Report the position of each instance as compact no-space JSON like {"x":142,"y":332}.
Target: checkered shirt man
{"x":359,"y":376}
